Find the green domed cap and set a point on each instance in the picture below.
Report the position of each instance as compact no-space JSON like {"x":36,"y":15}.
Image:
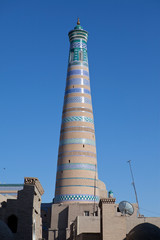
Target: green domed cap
{"x":78,"y":25}
{"x":78,"y":33}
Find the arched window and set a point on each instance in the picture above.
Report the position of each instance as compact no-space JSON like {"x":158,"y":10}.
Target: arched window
{"x":12,"y":223}
{"x":81,"y":55}
{"x":71,"y":56}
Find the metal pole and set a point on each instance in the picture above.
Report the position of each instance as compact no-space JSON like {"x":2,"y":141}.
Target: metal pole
{"x":94,"y":206}
{"x":133,"y":183}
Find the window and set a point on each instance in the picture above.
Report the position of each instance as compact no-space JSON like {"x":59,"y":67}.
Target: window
{"x":86,"y":213}
{"x":118,"y":209}
{"x":80,"y":55}
{"x":71,"y":56}
{"x":12,"y":223}
{"x":95,"y":213}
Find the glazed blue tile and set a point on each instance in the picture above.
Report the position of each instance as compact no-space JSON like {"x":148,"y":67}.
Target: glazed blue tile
{"x":78,"y":45}
{"x":77,"y":72}
{"x":77,"y":90}
{"x":76,"y":166}
{"x":77,"y":118}
{"x":76,"y":197}
{"x":77,"y":141}
{"x":78,"y":81}
{"x":77,"y":100}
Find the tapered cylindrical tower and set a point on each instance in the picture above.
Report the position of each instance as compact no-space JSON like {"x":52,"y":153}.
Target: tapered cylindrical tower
{"x":76,"y":179}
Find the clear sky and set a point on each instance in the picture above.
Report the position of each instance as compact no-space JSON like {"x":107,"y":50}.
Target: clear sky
{"x":124,"y":61}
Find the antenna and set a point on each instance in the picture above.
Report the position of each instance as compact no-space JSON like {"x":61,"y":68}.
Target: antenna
{"x":126,"y":208}
{"x":94,"y":206}
{"x":133,"y":183}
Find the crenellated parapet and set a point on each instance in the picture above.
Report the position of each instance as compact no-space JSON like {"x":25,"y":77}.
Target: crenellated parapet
{"x":34,"y":181}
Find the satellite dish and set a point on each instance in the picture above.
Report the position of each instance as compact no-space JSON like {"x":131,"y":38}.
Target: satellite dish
{"x":126,"y":208}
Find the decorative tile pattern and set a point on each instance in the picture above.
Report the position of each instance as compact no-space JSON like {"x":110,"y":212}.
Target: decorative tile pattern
{"x":78,"y":45}
{"x":77,"y":100}
{"x":85,"y":56}
{"x":78,"y":63}
{"x":76,"y":166}
{"x":77,"y":141}
{"x":80,"y":34}
{"x":77,"y":90}
{"x":78,"y":72}
{"x":78,"y":81}
{"x":76,"y":197}
{"x":77,"y":118}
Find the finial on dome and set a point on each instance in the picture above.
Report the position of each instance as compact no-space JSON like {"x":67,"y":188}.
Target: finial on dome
{"x":78,"y":22}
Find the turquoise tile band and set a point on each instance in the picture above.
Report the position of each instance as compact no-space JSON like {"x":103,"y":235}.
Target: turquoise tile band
{"x":77,"y":100}
{"x":77,"y":141}
{"x":78,"y":63}
{"x":77,"y":119}
{"x":76,"y":166}
{"x":76,"y":197}
{"x":78,"y":45}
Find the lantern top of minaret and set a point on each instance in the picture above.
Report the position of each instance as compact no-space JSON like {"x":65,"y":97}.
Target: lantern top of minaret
{"x":78,"y":33}
{"x":78,"y":25}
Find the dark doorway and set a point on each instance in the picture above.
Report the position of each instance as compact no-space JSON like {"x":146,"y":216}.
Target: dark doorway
{"x":12,"y":223}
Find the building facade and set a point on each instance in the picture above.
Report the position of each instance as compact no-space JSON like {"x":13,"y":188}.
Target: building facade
{"x":81,"y":209}
{"x":22,"y":214}
{"x":78,"y":189}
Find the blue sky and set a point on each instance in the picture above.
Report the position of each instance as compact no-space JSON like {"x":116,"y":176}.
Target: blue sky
{"x":124,"y":61}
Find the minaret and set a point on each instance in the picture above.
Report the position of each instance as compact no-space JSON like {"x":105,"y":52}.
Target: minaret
{"x":76,"y":179}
